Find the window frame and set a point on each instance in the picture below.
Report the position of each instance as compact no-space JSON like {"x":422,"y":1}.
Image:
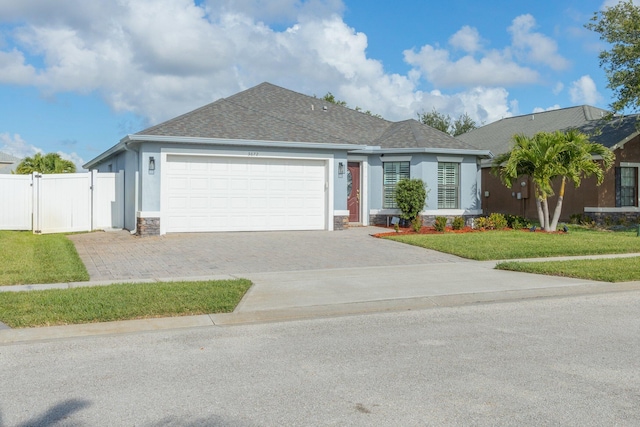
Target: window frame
{"x":626,"y":195}
{"x":401,"y":170}
{"x":447,"y":187}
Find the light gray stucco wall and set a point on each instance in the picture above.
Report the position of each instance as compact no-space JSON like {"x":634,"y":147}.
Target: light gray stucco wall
{"x":126,"y":161}
{"x":425,"y":167}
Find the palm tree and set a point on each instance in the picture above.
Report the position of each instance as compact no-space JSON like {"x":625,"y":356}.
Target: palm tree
{"x":577,"y":161}
{"x":49,"y":163}
{"x":550,"y":155}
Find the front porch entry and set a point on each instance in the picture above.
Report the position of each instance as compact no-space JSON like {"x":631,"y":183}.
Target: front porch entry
{"x":354,"y":191}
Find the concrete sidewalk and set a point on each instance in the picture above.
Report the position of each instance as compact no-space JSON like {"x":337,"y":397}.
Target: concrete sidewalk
{"x":290,"y":295}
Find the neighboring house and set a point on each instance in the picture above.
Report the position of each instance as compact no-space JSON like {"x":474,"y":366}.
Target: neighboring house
{"x":268,"y":158}
{"x":615,"y":200}
{"x":8,"y":163}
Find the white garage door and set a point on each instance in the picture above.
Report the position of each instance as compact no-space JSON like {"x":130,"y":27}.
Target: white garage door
{"x":206,"y":193}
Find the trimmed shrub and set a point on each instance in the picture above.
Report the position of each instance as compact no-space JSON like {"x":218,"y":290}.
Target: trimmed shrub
{"x":441,"y":223}
{"x":416,"y":224}
{"x":498,"y":221}
{"x":517,"y":222}
{"x":458,"y":223}
{"x":411,"y":195}
{"x":482,"y":223}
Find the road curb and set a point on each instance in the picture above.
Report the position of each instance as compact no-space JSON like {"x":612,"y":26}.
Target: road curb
{"x":8,"y":336}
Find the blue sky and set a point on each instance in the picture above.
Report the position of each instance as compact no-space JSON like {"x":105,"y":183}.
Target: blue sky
{"x":76,"y":76}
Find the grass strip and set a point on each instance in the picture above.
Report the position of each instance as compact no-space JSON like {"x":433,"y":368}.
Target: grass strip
{"x":510,"y":244}
{"x":604,"y":270}
{"x":27,"y":258}
{"x":120,"y":302}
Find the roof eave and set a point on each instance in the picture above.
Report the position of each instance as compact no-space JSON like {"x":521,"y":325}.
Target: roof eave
{"x":626,"y":139}
{"x":120,"y":146}
{"x":242,"y":142}
{"x":453,"y":151}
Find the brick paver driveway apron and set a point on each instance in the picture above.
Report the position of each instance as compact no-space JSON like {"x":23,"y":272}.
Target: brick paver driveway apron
{"x":119,"y":255}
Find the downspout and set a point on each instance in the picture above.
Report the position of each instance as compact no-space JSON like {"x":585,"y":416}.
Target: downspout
{"x":136,"y":187}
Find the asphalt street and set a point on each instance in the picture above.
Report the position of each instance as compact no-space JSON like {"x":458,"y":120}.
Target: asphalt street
{"x":560,"y":361}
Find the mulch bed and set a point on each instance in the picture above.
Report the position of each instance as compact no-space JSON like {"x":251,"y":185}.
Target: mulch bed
{"x":425,"y":230}
{"x":432,"y":230}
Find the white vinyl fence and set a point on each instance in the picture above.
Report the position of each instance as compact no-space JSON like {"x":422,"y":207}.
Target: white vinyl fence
{"x":60,"y":203}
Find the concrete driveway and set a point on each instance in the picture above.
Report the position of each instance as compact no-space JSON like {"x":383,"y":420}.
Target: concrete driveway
{"x":119,"y":255}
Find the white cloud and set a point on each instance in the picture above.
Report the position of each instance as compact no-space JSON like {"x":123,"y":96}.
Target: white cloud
{"x":584,"y":91}
{"x":542,"y":110}
{"x":558,"y":88}
{"x":16,"y":146}
{"x":494,"y":69}
{"x":75,"y":158}
{"x":162,"y":58}
{"x":535,"y":47}
{"x":13,"y":69}
{"x":467,"y":39}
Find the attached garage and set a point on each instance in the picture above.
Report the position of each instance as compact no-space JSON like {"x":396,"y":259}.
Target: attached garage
{"x":219,"y":193}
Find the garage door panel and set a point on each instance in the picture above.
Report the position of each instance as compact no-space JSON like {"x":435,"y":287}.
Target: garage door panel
{"x":237,"y":194}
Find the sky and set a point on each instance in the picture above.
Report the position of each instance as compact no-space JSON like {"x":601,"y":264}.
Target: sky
{"x":76,"y":76}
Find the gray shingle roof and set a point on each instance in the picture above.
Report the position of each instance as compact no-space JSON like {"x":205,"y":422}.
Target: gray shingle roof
{"x":413,"y":134}
{"x":7,"y":162}
{"x":497,"y":136}
{"x":270,"y":113}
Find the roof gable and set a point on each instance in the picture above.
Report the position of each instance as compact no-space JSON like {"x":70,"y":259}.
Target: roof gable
{"x":413,"y":134}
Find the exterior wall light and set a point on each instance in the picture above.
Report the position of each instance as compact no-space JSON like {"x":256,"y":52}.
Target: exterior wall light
{"x":152,"y":165}
{"x":340,"y":169}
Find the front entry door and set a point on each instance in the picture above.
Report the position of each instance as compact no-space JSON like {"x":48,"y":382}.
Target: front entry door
{"x":353,"y":191}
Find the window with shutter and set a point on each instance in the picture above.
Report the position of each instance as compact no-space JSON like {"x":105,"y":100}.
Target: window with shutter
{"x":393,"y":172}
{"x":448,"y":185}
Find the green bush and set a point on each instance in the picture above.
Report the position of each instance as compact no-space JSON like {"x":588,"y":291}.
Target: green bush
{"x":482,"y":222}
{"x":517,"y":222}
{"x":411,"y":195}
{"x":441,"y":223}
{"x":498,"y":221}
{"x":580,"y":219}
{"x":416,"y":223}
{"x":458,"y":223}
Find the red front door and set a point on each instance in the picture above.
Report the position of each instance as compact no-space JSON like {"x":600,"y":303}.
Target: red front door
{"x":353,"y":191}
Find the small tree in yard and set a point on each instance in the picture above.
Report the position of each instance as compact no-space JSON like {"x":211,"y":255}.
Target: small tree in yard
{"x":411,"y":195}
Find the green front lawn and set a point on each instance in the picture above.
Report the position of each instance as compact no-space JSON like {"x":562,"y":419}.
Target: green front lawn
{"x":120,"y":302}
{"x":605,"y":270}
{"x":495,"y":245}
{"x":27,"y":258}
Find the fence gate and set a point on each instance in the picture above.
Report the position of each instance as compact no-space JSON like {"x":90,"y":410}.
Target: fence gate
{"x":60,"y":203}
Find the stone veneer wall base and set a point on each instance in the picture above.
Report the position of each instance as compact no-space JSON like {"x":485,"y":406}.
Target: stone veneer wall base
{"x":340,"y":222}
{"x":148,"y":226}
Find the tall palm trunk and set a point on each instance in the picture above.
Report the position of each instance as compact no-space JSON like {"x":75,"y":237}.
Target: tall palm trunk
{"x":540,"y":212}
{"x":556,"y":212}
{"x":545,"y":209}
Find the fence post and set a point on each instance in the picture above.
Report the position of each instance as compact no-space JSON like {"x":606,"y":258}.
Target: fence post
{"x":35,"y":213}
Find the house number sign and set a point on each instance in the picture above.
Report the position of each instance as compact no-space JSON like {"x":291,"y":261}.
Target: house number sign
{"x":253,"y":154}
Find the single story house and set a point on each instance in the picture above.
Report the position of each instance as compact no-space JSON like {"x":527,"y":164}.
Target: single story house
{"x":615,"y":200}
{"x":8,"y":163}
{"x":269,"y":158}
